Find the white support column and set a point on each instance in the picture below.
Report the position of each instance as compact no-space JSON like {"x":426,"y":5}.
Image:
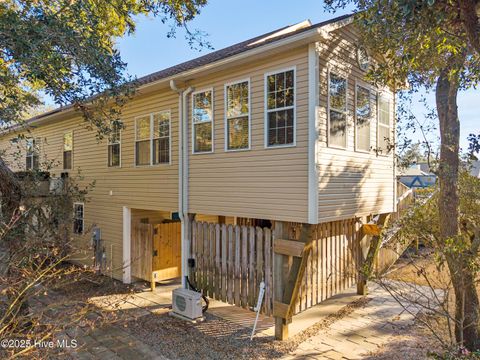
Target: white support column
{"x":127,"y":245}
{"x":313,"y":84}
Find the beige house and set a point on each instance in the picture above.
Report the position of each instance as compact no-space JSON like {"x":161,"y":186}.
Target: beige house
{"x":279,"y":128}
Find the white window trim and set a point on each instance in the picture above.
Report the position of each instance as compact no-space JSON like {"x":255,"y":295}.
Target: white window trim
{"x":227,"y":118}
{"x":120,"y":155}
{"x":212,"y":121}
{"x":36,"y":141}
{"x":151,"y":138}
{"x":152,"y":127}
{"x":267,"y":111}
{"x":371,"y":90}
{"x":390,"y":126}
{"x":83,"y":218}
{"x":63,"y":150}
{"x":329,"y":72}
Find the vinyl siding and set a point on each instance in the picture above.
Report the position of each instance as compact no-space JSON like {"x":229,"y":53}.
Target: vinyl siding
{"x":351,"y":183}
{"x":258,"y":183}
{"x":147,"y":187}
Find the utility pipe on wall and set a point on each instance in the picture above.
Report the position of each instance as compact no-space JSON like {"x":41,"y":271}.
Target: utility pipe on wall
{"x":183,"y":173}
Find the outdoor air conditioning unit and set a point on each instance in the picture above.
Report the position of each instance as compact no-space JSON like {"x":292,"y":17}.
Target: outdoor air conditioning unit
{"x":187,"y":304}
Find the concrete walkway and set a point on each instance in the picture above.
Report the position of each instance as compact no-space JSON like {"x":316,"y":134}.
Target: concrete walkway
{"x":359,"y":333}
{"x":352,"y":336}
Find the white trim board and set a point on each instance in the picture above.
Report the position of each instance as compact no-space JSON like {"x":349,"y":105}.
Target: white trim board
{"x":313,"y":82}
{"x":127,"y":245}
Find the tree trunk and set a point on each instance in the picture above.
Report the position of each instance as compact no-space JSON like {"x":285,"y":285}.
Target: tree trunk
{"x":10,"y":191}
{"x":10,"y":198}
{"x":463,"y":278}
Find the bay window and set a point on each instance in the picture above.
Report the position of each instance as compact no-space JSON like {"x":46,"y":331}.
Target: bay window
{"x":363,"y":116}
{"x":337,"y":111}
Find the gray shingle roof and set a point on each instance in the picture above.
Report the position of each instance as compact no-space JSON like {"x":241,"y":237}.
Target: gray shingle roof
{"x":230,"y":51}
{"x":213,"y":57}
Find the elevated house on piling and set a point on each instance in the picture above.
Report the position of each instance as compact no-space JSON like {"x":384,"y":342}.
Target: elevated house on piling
{"x":228,"y":159}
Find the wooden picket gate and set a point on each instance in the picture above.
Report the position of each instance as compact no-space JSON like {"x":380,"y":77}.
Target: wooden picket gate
{"x":156,"y":249}
{"x":332,"y":262}
{"x":141,"y":252}
{"x":231,"y":261}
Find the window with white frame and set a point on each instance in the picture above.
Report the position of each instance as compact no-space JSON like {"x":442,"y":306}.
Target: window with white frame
{"x":67,"y":150}
{"x":202,"y":121}
{"x":161,"y":138}
{"x":78,"y":222}
{"x":152,"y":139}
{"x":280,"y":91}
{"x":143,"y":140}
{"x":32,"y":153}
{"x":363,"y":116}
{"x":337,"y":111}
{"x":114,"y":145}
{"x":237,"y":116}
{"x":384,"y":126}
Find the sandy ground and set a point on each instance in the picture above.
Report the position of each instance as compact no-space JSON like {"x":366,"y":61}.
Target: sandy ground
{"x":430,"y":336}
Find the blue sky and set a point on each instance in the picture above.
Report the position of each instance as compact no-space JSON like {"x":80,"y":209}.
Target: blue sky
{"x":226,"y":22}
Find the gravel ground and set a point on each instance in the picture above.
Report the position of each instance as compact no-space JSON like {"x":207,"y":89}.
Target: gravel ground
{"x":216,"y":338}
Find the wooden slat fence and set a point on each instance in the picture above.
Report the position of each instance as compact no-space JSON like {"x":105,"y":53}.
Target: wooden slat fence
{"x":141,"y":253}
{"x":332,"y":263}
{"x":232,"y":260}
{"x":390,"y":251}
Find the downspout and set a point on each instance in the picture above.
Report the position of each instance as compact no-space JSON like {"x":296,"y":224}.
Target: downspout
{"x":183,"y":174}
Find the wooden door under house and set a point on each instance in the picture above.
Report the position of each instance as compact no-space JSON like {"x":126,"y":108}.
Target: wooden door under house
{"x":156,"y":251}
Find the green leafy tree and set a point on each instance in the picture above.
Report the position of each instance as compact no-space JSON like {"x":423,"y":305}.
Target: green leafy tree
{"x":66,"y":50}
{"x":434,"y":44}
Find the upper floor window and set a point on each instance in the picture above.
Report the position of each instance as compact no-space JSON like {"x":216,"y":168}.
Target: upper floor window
{"x":384,"y":126}
{"x":161,"y":138}
{"x":337,"y":111}
{"x":67,"y":150}
{"x":237,"y":116}
{"x":202,"y":121}
{"x":152,"y":139}
{"x":142,"y":140}
{"x":32,"y":154}
{"x":114,"y":145}
{"x":78,"y":214}
{"x":363,"y":116}
{"x":280,"y":98}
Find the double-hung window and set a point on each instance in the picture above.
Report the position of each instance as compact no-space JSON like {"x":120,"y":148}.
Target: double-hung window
{"x":67,"y":150}
{"x":363,"y":116}
{"x":237,"y":116}
{"x":337,"y":111}
{"x":161,"y":138}
{"x":142,"y":140}
{"x":202,"y":121}
{"x":32,"y":154}
{"x":78,"y":214}
{"x":280,"y":99}
{"x":114,"y":145}
{"x":384,"y":126}
{"x":152,"y":139}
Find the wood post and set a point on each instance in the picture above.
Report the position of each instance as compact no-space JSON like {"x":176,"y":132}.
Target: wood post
{"x":281,"y":324}
{"x":287,"y":287}
{"x":367,"y":263}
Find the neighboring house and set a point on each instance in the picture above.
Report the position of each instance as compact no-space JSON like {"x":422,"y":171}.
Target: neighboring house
{"x":279,"y":129}
{"x":417,"y":176}
{"x":475,"y":169}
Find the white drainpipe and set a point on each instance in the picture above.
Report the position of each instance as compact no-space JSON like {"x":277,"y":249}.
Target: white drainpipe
{"x":183,"y":174}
